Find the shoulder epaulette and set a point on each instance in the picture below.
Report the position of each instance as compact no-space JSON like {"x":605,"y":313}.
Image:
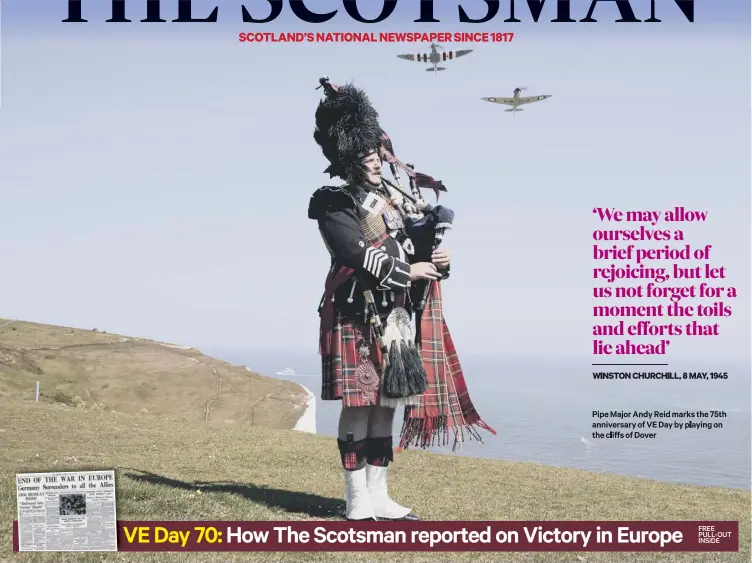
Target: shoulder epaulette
{"x":329,"y":198}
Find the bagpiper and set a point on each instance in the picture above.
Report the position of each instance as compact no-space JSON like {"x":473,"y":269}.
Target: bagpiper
{"x":382,"y":293}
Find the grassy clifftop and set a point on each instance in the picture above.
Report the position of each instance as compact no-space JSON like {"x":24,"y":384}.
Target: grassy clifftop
{"x":90,"y":369}
{"x":253,"y":473}
{"x":194,"y":438}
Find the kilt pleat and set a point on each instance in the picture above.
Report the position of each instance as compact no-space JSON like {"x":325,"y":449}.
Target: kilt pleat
{"x":345,"y":375}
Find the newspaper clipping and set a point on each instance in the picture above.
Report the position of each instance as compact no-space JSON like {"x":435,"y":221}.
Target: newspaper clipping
{"x":72,"y":511}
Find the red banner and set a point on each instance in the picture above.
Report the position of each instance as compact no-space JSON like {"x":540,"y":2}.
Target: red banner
{"x":666,"y":536}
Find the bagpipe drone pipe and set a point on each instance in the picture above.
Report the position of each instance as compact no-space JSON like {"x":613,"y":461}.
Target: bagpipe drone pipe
{"x":426,"y":225}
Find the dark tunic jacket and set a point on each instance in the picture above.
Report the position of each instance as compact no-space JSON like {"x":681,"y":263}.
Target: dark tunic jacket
{"x":364,"y":231}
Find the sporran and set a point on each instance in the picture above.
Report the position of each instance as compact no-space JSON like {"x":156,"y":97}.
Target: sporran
{"x":405,"y":379}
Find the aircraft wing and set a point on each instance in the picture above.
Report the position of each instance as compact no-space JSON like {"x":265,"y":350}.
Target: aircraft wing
{"x":507,"y":101}
{"x":418,"y":57}
{"x":450,"y":55}
{"x":531,"y":99}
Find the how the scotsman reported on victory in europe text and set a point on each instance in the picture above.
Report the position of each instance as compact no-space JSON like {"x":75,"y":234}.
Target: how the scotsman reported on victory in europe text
{"x":389,"y":276}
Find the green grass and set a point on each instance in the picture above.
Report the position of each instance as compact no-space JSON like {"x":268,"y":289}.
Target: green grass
{"x":181,"y":465}
{"x":109,"y":372}
{"x":246,"y":473}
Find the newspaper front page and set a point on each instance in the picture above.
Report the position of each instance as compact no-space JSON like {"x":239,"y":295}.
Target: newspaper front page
{"x":71,"y":511}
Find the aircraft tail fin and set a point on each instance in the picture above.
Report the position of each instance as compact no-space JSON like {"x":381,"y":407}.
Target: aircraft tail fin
{"x":434,"y":69}
{"x":513,"y":110}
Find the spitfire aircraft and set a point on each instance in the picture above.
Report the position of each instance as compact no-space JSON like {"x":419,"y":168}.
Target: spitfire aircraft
{"x":516,"y":101}
{"x":434,"y":57}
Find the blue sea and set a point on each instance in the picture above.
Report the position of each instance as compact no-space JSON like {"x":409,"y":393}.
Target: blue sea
{"x":542,"y":412}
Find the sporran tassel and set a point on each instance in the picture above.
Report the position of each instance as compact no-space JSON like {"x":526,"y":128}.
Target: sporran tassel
{"x":417,"y":380}
{"x":396,"y":385}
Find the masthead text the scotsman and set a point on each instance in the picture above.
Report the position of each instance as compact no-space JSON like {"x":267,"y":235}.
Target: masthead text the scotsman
{"x":467,"y":11}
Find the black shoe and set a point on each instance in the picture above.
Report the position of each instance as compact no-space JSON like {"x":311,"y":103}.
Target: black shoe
{"x":374,"y":519}
{"x":411,"y":517}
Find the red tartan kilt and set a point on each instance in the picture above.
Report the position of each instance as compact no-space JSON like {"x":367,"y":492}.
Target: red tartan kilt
{"x":341,"y":378}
